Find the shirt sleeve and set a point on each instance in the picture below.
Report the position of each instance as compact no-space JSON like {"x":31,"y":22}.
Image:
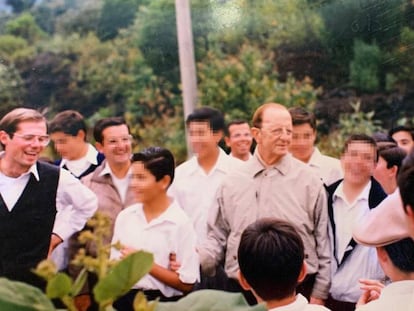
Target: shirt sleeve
{"x":75,"y":204}
{"x":189,"y":272}
{"x":323,"y":276}
{"x":211,"y":251}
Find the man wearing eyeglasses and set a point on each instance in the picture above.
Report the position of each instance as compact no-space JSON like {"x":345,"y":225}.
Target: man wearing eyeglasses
{"x":271,"y":184}
{"x":33,"y":197}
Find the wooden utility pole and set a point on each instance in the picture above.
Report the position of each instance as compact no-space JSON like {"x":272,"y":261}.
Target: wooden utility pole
{"x":186,"y":57}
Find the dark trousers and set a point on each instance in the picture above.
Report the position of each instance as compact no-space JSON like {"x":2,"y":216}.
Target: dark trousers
{"x":336,"y":305}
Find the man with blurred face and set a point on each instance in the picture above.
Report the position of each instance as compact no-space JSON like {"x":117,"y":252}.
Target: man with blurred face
{"x":196,"y":180}
{"x":68,"y":133}
{"x":303,"y":147}
{"x":349,"y":201}
{"x":271,"y":184}
{"x":33,"y":197}
{"x":239,"y":139}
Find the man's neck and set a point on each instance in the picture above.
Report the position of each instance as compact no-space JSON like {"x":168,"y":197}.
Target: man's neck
{"x":120,"y":170}
{"x":269,"y":160}
{"x":209,"y":161}
{"x":82,"y":152}
{"x":10,"y":170}
{"x":271,"y":304}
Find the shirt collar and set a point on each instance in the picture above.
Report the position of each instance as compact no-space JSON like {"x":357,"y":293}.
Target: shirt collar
{"x":221,"y":163}
{"x":258,"y":165}
{"x":316,"y":158}
{"x":364,"y":195}
{"x":91,"y":156}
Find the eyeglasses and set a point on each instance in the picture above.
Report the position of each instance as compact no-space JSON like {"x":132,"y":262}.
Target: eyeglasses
{"x":30,"y":138}
{"x":114,"y":141}
{"x":278,"y":131}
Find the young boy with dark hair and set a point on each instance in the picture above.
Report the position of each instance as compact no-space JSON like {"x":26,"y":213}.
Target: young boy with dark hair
{"x":271,"y":260}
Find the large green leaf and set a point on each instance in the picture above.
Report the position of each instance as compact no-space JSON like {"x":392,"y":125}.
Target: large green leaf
{"x":60,"y":285}
{"x":17,"y":296}
{"x":123,"y":276}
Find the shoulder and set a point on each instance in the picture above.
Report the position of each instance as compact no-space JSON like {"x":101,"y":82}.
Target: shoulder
{"x":186,"y":167}
{"x":177,"y":214}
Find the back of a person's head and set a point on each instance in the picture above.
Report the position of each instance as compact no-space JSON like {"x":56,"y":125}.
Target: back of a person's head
{"x":401,"y":254}
{"x":69,"y":122}
{"x":302,"y":116}
{"x":271,"y":255}
{"x":212,"y":116}
{"x":405,"y":180}
{"x":104,"y":123}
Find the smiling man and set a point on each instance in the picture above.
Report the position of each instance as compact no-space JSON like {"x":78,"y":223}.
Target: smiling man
{"x":239,"y":139}
{"x":33,"y":198}
{"x":272,"y":184}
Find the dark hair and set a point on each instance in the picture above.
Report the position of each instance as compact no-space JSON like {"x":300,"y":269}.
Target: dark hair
{"x":405,"y":181}
{"x":361,"y":138}
{"x":69,"y":122}
{"x":270,"y":256}
{"x":234,"y":122}
{"x":102,"y":124}
{"x":391,"y":153}
{"x":10,"y":121}
{"x":401,"y":254}
{"x":302,"y":116}
{"x":382,"y":137}
{"x":401,"y":128}
{"x":159,"y":161}
{"x":211,"y":115}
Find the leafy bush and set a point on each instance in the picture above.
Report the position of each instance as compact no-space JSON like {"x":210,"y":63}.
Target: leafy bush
{"x":365,"y":66}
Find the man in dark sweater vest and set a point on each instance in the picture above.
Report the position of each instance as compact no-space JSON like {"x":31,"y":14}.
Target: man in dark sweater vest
{"x":30,"y":224}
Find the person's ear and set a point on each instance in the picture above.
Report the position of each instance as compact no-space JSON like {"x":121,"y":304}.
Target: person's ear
{"x":382,"y":255}
{"x":256,"y":134}
{"x":393,"y":171}
{"x":227,"y":141}
{"x":165,"y":182}
{"x":99,"y":147}
{"x":243,"y":282}
{"x":302,"y":273}
{"x":4,"y":137}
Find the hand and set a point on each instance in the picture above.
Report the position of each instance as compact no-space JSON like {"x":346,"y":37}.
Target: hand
{"x":55,"y":240}
{"x":173,"y":265}
{"x":371,"y":291}
{"x":316,"y":301}
{"x":125,"y":251}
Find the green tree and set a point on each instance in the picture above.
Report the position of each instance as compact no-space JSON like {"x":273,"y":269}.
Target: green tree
{"x":19,"y":6}
{"x":116,"y":14}
{"x":24,"y":26}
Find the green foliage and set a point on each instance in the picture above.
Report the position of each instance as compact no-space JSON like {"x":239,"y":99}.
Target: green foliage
{"x":20,"y":5}
{"x":238,"y":84}
{"x":11,"y":88}
{"x":24,"y":26}
{"x":365,"y":66}
{"x":17,"y":296}
{"x":350,"y":123}
{"x":116,"y":14}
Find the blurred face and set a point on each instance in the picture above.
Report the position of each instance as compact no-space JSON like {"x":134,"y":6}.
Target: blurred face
{"x":358,"y":163}
{"x":146,"y":188}
{"x":275,"y":135}
{"x":69,"y":147}
{"x":303,"y":140}
{"x":24,"y":147}
{"x":202,"y":139}
{"x":239,"y":140}
{"x":116,"y":145}
{"x":404,"y":140}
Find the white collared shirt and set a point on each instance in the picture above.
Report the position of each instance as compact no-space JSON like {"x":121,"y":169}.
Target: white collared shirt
{"x":70,"y":193}
{"x":121,"y":184}
{"x":327,"y":168}
{"x":172,"y":231}
{"x":195,"y":190}
{"x":77,"y":167}
{"x":363,"y":261}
